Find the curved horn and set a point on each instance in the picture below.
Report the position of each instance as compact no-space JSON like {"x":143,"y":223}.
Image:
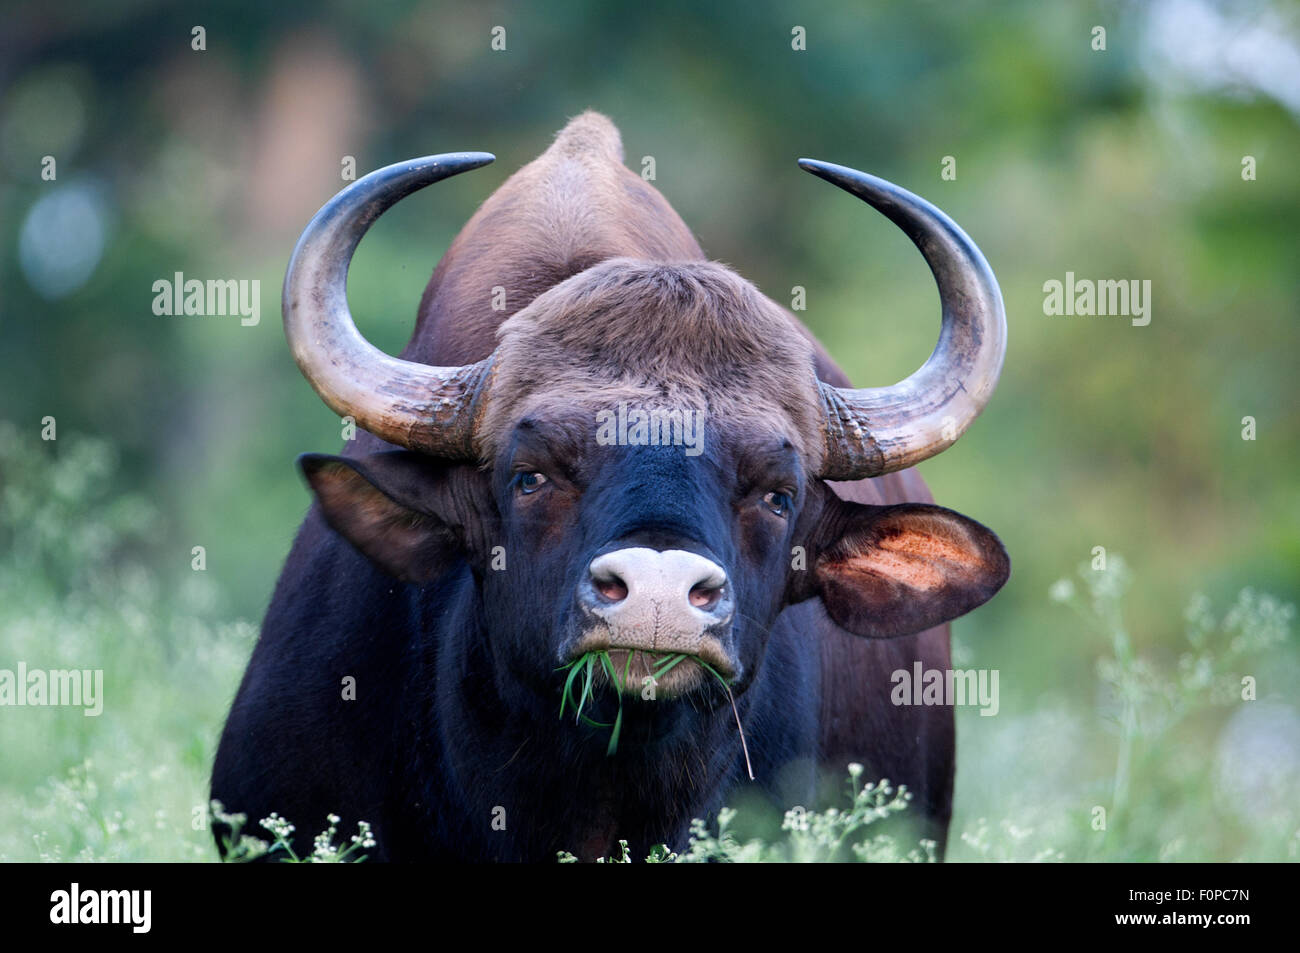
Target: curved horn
{"x":412,"y":405}
{"x":875,"y":430}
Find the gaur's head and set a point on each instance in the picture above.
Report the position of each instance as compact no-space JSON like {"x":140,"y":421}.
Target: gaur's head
{"x":641,"y":464}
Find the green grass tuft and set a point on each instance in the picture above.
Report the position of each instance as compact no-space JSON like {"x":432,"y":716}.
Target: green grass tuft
{"x":584,"y":666}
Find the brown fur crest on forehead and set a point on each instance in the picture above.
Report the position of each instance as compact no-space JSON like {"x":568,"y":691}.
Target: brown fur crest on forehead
{"x":690,"y":335}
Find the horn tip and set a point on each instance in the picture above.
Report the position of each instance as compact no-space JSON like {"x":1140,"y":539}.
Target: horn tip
{"x":824,"y":169}
{"x":849,"y":179}
{"x":475,"y":160}
{"x":859,"y":183}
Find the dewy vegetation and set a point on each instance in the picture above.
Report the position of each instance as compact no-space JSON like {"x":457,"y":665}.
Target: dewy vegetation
{"x":1170,"y":762}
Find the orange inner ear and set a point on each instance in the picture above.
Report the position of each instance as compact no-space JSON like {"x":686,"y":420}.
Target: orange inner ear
{"x":912,"y":557}
{"x":897,"y":567}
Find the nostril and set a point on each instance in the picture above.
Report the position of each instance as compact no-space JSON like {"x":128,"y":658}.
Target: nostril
{"x":611,"y":588}
{"x":705,"y":596}
{"x":639,"y":579}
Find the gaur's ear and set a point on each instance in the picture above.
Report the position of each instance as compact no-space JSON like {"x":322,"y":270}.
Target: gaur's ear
{"x":412,"y":515}
{"x":885,"y":571}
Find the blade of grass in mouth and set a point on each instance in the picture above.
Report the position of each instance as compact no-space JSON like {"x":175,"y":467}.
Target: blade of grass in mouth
{"x":735,"y":711}
{"x":589,"y":693}
{"x":583,"y":665}
{"x":667,"y":664}
{"x":613,"y":735}
{"x":568,"y":685}
{"x":586,"y":664}
{"x":608,"y":665}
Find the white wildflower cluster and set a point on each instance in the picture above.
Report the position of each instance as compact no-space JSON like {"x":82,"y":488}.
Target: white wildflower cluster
{"x":834,"y":834}
{"x":280,"y":829}
{"x":828,"y":835}
{"x":363,"y":837}
{"x":324,"y":849}
{"x":624,"y":857}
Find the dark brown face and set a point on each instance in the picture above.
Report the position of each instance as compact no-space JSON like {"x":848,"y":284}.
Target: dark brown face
{"x":585,"y":535}
{"x":648,"y":550}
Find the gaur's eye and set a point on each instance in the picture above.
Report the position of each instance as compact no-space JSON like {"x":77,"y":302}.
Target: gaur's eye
{"x":531,"y":482}
{"x":779,"y":502}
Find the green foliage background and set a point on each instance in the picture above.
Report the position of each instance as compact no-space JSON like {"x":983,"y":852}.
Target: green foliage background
{"x":1123,"y":163}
